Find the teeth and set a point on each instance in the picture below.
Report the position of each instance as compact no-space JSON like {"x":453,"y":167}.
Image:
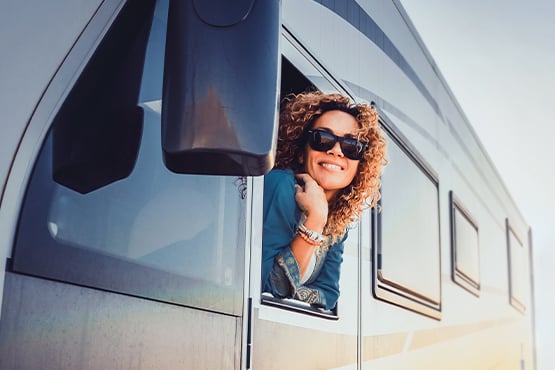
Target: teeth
{"x":331,"y":166}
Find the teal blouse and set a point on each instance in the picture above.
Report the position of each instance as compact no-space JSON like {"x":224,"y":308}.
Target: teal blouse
{"x":280,"y":272}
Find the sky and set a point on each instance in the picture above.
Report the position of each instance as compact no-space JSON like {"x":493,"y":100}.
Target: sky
{"x":497,"y":57}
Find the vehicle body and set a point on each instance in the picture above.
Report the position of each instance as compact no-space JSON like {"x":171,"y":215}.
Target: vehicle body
{"x":140,"y":266}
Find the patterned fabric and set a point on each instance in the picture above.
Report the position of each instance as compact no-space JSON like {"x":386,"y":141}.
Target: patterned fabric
{"x":280,"y":272}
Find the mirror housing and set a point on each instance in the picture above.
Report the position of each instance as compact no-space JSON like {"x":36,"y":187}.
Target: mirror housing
{"x":221,"y":84}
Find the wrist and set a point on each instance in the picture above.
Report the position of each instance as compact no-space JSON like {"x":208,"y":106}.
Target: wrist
{"x":315,"y":223}
{"x":310,"y":236}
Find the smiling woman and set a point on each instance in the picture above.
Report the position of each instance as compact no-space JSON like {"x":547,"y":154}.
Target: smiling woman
{"x":329,"y":159}
{"x":331,"y":166}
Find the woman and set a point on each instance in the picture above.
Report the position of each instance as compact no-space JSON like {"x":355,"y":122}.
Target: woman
{"x":329,"y":157}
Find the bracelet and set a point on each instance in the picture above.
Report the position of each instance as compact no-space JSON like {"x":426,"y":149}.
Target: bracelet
{"x":308,"y":240}
{"x":311,"y":234}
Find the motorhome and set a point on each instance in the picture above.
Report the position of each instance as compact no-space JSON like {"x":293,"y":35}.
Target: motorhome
{"x":135,"y":136}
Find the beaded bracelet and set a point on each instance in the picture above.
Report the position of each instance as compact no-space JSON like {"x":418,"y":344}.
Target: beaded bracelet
{"x":308,"y":240}
{"x":314,"y":237}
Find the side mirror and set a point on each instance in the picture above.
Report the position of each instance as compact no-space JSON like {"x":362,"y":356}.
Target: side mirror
{"x":221,"y":83}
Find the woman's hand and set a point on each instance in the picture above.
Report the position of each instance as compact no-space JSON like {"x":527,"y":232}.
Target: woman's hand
{"x":312,"y":201}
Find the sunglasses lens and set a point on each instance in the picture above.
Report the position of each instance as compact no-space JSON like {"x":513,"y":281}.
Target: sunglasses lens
{"x":350,"y":148}
{"x":323,"y":141}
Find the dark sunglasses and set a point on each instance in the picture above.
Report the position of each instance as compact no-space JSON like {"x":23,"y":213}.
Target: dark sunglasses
{"x":323,"y":141}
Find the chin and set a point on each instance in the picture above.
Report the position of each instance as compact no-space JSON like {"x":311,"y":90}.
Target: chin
{"x":331,"y":186}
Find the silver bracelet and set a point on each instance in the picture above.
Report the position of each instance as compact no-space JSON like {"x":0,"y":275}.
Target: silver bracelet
{"x":311,"y":234}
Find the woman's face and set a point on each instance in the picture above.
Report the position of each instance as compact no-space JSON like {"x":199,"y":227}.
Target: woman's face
{"x":331,"y":169}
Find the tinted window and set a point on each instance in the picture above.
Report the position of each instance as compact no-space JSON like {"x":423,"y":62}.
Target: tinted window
{"x":103,"y":211}
{"x":518,"y":274}
{"x":406,"y":237}
{"x":465,"y":251}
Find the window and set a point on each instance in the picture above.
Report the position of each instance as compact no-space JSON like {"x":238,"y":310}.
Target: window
{"x":406,"y":247}
{"x":464,"y":248}
{"x":102,"y":210}
{"x":299,"y":73}
{"x":518,"y":276}
{"x":293,"y":81}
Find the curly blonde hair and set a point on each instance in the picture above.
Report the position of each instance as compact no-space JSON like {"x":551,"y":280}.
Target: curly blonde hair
{"x":297,"y":115}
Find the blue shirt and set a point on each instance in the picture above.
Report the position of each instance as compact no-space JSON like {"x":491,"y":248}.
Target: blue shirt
{"x":280,"y":272}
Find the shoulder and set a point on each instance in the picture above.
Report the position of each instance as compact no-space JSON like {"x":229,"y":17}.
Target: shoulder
{"x":280,"y":175}
{"x":279,"y":192}
{"x":279,"y":180}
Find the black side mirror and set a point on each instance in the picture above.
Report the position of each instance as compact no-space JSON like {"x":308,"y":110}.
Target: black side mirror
{"x":221,"y":83}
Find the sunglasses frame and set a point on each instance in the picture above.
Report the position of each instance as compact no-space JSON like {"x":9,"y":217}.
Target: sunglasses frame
{"x":360,"y":147}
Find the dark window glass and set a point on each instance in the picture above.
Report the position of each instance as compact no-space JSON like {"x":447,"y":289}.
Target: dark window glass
{"x":102,"y":210}
{"x":406,"y":234}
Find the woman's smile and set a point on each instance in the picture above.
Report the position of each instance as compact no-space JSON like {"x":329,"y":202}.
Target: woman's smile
{"x":331,"y":166}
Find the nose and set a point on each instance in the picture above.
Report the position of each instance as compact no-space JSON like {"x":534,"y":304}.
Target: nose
{"x":336,"y":150}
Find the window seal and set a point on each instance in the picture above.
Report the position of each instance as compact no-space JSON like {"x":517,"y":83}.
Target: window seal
{"x":298,"y":306}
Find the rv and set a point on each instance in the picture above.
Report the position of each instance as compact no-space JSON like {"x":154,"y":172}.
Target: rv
{"x":135,"y":136}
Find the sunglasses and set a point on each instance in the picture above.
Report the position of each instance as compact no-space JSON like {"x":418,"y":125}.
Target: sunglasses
{"x":323,"y":141}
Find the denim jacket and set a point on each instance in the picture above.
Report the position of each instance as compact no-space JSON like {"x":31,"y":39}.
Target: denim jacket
{"x":280,"y":272}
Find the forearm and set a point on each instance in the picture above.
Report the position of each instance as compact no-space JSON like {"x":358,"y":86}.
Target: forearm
{"x":303,"y":252}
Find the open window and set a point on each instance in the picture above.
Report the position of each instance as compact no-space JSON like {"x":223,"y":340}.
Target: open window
{"x":465,"y":251}
{"x":406,"y":242}
{"x":294,"y":82}
{"x":300,"y":73}
{"x":518,"y":275}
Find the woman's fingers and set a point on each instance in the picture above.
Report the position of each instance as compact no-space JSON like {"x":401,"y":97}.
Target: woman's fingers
{"x":306,"y":180}
{"x":311,"y":198}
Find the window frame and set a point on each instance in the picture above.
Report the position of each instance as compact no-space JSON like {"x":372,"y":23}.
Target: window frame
{"x":513,"y":299}
{"x":457,"y":275}
{"x":383,"y":289}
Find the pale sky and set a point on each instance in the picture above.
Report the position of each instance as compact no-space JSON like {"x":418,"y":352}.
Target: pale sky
{"x":498,"y":58}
